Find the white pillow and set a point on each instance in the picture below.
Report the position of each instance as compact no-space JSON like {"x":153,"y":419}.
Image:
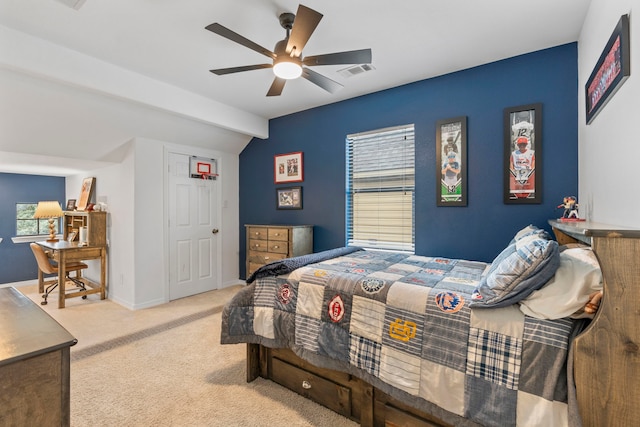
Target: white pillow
{"x":578,"y":276}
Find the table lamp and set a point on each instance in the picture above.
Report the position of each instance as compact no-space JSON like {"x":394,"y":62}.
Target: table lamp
{"x":51,"y":210}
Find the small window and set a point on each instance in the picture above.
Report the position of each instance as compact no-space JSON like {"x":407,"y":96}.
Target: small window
{"x":27,"y":225}
{"x":380,"y":189}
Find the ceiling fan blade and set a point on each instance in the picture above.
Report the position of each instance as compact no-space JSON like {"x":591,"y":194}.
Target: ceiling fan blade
{"x":276,"y":87}
{"x":223,"y":71}
{"x":324,"y":82}
{"x":362,"y":56}
{"x":304,"y":24}
{"x":227,"y":33}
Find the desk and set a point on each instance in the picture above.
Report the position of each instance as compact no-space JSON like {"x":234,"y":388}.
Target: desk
{"x":63,"y":252}
{"x":34,"y":364}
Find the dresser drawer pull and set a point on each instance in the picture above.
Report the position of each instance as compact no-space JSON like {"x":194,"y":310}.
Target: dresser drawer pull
{"x":306,"y":385}
{"x":276,"y":234}
{"x":276,"y":247}
{"x":266,"y":258}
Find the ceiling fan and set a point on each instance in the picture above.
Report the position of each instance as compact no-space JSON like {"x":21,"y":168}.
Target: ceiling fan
{"x":287,"y":60}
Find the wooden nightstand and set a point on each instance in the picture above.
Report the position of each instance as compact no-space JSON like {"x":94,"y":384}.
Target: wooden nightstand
{"x":268,"y":243}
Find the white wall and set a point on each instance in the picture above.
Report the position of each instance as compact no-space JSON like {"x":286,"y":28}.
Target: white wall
{"x":609,"y":148}
{"x":114,"y":186}
{"x":134,"y":191}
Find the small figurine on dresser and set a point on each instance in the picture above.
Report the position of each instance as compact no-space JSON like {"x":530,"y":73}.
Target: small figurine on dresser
{"x":570,"y":205}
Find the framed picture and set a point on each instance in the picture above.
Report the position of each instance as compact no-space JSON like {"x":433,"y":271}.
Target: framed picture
{"x":72,"y":236}
{"x":523,"y":154}
{"x":71,"y":204}
{"x":451,"y":159}
{"x":611,"y":71}
{"x":86,"y":192}
{"x":288,"y":168}
{"x":289,"y":198}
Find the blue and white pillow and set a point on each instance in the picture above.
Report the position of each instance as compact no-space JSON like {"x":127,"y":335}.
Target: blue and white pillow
{"x":524,"y":266}
{"x":528,"y":231}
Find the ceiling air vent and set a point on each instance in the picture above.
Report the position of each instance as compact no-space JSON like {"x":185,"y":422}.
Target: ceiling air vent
{"x":355,"y":70}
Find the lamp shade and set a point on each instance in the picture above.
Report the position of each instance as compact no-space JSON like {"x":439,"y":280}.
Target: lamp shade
{"x":48,"y":209}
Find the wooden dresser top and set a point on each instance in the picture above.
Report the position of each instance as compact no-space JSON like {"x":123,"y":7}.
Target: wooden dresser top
{"x":26,"y":330}
{"x":588,"y":229}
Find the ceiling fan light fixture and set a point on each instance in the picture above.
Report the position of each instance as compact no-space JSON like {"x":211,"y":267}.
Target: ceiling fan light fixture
{"x":287,"y":61}
{"x":287,"y":69}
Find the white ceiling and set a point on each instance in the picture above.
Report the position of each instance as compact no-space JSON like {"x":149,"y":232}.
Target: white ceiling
{"x":94,"y":78}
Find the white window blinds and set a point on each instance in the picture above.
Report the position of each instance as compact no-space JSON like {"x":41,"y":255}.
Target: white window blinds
{"x":380,"y":189}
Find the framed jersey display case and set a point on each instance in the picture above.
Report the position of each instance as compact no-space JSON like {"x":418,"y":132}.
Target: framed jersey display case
{"x":611,"y":71}
{"x":523,"y":154}
{"x":451,"y":160}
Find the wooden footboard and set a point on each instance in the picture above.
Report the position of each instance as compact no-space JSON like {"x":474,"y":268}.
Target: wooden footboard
{"x":606,"y":354}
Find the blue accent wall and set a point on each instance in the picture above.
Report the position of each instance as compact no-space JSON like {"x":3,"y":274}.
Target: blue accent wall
{"x":478,"y":231}
{"x":17,"y":263}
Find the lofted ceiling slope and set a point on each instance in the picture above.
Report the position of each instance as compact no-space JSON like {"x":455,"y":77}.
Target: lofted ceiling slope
{"x":77,"y":84}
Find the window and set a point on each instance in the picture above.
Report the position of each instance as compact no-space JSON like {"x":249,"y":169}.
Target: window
{"x":27,"y":225}
{"x":380,"y":189}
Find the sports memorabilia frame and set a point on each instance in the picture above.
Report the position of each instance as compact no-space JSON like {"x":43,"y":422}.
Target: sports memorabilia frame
{"x":289,"y":198}
{"x":611,"y":71}
{"x":288,"y":168}
{"x":451,"y":162}
{"x":523,"y":154}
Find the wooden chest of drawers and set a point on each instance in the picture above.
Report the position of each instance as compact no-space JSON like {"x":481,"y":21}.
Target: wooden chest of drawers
{"x":268,"y":243}
{"x":34,"y":364}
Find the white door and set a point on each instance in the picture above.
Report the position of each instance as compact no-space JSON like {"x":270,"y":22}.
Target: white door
{"x":193,"y":223}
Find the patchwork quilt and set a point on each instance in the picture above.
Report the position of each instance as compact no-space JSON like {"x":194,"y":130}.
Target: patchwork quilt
{"x":403,"y":324}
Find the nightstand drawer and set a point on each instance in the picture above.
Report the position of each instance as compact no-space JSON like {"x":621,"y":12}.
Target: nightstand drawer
{"x":259,"y":233}
{"x":258,"y":245}
{"x":279,"y":234}
{"x":256,"y":257}
{"x":278,"y":247}
{"x":252,"y":267}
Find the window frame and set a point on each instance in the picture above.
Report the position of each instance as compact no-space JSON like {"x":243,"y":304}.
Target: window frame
{"x":395,"y":186}
{"x":42,"y":224}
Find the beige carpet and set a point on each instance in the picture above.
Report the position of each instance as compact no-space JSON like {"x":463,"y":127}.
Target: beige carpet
{"x":164,"y":366}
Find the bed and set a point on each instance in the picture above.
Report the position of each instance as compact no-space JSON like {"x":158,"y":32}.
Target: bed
{"x":395,"y":339}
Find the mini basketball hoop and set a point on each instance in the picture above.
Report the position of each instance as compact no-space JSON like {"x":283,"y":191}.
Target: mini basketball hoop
{"x":203,"y":168}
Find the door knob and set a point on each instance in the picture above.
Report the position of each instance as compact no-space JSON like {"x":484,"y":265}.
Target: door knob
{"x":215,"y":231}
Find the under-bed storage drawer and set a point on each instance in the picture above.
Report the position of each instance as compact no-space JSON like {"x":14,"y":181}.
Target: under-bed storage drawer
{"x":325,"y":392}
{"x":395,"y":417}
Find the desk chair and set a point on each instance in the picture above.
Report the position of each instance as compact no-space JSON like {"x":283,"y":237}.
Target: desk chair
{"x":47,"y":267}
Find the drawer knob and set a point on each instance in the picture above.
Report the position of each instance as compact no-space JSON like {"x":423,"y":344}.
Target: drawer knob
{"x":276,"y":247}
{"x":266,"y":257}
{"x":277,"y":234}
{"x":306,"y":385}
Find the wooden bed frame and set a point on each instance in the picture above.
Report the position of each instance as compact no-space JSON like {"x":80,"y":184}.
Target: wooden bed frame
{"x":606,"y":355}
